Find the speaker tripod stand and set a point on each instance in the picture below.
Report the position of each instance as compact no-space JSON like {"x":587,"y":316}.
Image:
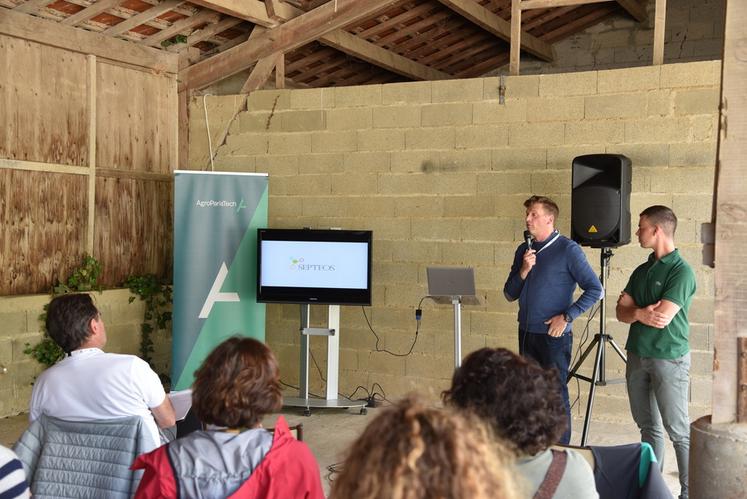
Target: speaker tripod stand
{"x":598,"y":376}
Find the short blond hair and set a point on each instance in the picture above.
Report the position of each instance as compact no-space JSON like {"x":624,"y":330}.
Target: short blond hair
{"x":548,"y":204}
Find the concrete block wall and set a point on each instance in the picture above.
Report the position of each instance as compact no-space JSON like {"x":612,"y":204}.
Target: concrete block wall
{"x":22,"y":327}
{"x":439,"y":170}
{"x":694,"y":32}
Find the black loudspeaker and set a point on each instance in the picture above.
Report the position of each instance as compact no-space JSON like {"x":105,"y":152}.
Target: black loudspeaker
{"x":600,"y":202}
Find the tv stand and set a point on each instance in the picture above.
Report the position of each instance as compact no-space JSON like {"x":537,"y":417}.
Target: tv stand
{"x":332,"y":332}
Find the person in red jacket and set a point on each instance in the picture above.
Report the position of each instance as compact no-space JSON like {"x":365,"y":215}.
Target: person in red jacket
{"x":235,"y":387}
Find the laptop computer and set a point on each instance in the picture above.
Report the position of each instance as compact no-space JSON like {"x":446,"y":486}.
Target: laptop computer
{"x":446,"y":282}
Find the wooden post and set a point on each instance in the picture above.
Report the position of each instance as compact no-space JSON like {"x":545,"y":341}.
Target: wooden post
{"x":280,"y":72}
{"x":515,"y":54}
{"x":742,"y":381}
{"x":659,"y":27}
{"x":182,"y":155}
{"x":731,"y":230}
{"x":91,"y":71}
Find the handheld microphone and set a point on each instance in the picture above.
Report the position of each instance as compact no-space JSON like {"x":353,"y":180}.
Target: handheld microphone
{"x":528,"y":238}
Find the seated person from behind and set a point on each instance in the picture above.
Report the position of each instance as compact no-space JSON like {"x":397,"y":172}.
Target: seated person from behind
{"x":13,"y":483}
{"x":521,"y":402}
{"x":89,"y":384}
{"x":414,"y":451}
{"x":236,"y":386}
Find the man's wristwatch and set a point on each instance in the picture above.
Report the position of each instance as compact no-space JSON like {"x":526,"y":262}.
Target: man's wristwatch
{"x":567,"y":318}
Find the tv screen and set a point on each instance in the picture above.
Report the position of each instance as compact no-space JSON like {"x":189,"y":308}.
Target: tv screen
{"x":314,"y":266}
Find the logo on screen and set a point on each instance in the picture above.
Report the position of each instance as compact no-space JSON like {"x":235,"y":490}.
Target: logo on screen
{"x":299,"y":265}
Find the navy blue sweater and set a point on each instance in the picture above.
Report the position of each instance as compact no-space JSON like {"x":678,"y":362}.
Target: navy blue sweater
{"x":548,"y":289}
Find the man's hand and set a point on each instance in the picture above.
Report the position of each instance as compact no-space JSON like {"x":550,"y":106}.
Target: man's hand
{"x":530,"y":258}
{"x":556,"y":325}
{"x":657,"y":315}
{"x":651,"y":317}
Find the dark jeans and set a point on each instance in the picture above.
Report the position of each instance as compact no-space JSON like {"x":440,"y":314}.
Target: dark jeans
{"x":551,"y":352}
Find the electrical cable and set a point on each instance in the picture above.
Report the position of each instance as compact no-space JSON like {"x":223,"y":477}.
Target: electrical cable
{"x":314,"y":395}
{"x":378,"y":339}
{"x":207,"y":127}
{"x":319,"y":370}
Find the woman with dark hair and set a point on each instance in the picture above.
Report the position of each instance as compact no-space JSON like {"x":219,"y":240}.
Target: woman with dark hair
{"x":522,"y":404}
{"x":412,"y":451}
{"x":235,"y":387}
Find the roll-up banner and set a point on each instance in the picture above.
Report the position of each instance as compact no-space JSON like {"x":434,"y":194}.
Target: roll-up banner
{"x":216,"y":217}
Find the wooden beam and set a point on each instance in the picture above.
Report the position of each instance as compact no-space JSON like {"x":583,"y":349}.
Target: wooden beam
{"x":213,"y":29}
{"x":634,"y":8}
{"x":660,"y":17}
{"x":731,"y":229}
{"x":551,"y":4}
{"x":742,"y":380}
{"x":183,"y":112}
{"x":280,"y":72}
{"x":271,"y":7}
{"x":400,"y":20}
{"x":288,"y":36}
{"x":579,"y":23}
{"x":37,"y":30}
{"x":515,"y":55}
{"x":361,"y":49}
{"x":260,"y":74}
{"x":143,"y":17}
{"x":35,"y":166}
{"x":543,"y":17}
{"x":202,"y":17}
{"x":32,"y":5}
{"x":133,"y":174}
{"x":250,"y":10}
{"x":414,"y":31}
{"x":338,"y":39}
{"x":91,"y":95}
{"x":89,"y":12}
{"x":499,"y":27}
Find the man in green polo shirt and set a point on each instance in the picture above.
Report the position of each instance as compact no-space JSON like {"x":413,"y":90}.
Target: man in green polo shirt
{"x":655,"y":304}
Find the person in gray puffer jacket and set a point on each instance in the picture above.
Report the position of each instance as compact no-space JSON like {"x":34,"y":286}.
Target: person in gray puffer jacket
{"x":235,"y":387}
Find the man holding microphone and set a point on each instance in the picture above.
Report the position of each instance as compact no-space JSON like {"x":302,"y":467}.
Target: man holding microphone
{"x":543,"y":277}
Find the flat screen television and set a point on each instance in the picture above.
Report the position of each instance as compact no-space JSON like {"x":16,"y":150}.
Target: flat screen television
{"x":330,"y":267}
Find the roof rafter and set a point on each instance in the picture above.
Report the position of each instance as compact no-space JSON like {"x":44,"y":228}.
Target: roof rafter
{"x":143,"y":17}
{"x":498,"y":26}
{"x":92,"y":10}
{"x":202,"y":17}
{"x":315,"y":26}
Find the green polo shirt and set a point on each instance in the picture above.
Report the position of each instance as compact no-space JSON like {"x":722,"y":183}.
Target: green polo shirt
{"x":669,"y":278}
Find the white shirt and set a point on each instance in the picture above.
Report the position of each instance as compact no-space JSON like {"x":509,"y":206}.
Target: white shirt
{"x":90,"y":385}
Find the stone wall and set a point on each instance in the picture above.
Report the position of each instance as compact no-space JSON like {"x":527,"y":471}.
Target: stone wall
{"x":19,"y":316}
{"x":439,"y":171}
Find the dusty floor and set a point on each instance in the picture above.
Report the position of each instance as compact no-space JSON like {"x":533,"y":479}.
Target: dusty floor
{"x":329,"y":432}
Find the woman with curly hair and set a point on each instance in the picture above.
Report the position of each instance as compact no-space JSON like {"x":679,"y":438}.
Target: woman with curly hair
{"x":236,"y":386}
{"x":412,"y":451}
{"x":522,"y":404}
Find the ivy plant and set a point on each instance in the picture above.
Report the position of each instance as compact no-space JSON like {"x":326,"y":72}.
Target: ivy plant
{"x":157,"y":316}
{"x":83,"y":278}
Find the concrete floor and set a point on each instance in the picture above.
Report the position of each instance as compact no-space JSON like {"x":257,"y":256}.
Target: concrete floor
{"x":329,"y":432}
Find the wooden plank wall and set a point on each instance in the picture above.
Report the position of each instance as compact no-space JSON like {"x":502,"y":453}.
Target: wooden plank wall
{"x":136,"y":116}
{"x":43,"y":115}
{"x":41,"y":215}
{"x":84,"y":142}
